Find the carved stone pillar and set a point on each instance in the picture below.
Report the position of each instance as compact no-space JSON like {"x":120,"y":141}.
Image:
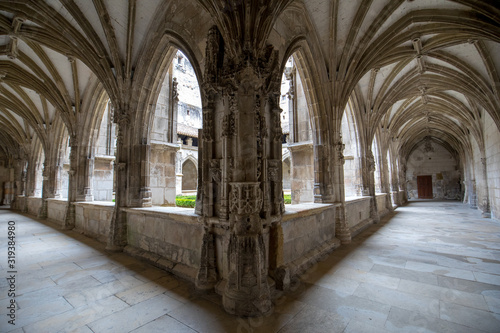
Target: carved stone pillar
{"x":342,"y":231}
{"x":173,"y":108}
{"x":20,"y":165}
{"x":472,"y":194}
{"x":117,"y":238}
{"x":385,"y":182}
{"x":395,"y":189}
{"x":369,"y":184}
{"x":323,"y":188}
{"x":8,"y":186}
{"x":42,"y":213}
{"x":140,"y":176}
{"x":69,"y":220}
{"x":85,"y":176}
{"x":486,"y":198}
{"x":292,"y":104}
{"x":402,"y":179}
{"x":241,"y":186}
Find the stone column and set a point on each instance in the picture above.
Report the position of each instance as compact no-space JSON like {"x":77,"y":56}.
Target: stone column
{"x":323,"y":188}
{"x":402,"y":179}
{"x":292,"y":105}
{"x":342,"y":231}
{"x":85,"y":177}
{"x":486,"y":198}
{"x":117,"y":238}
{"x":9,"y":191}
{"x":69,"y":220}
{"x":140,"y":175}
{"x":241,"y":191}
{"x":19,"y":177}
{"x":178,"y":170}
{"x":46,"y":190}
{"x":172,"y":110}
{"x":369,"y":184}
{"x":395,"y":187}
{"x":472,"y":194}
{"x":385,"y":184}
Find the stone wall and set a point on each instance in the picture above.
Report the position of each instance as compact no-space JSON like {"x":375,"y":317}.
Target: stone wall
{"x":162,"y":173}
{"x":93,"y":219}
{"x":308,"y":233}
{"x":56,"y":210}
{"x":302,"y":172}
{"x":435,"y":161}
{"x":357,"y":212}
{"x":492,"y":148}
{"x":170,"y":238}
{"x":103,"y":178}
{"x":33,"y":204}
{"x":381,"y":204}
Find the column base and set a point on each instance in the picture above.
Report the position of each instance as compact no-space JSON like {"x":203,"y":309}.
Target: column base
{"x":344,"y":237}
{"x":248,"y":302}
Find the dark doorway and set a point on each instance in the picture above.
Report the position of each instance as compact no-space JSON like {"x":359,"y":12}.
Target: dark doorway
{"x":424,"y":184}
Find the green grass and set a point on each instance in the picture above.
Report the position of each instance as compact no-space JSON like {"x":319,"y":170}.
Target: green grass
{"x":288,"y":199}
{"x":190,"y":200}
{"x":187,"y":201}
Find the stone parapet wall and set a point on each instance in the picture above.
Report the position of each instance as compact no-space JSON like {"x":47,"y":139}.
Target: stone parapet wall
{"x":33,"y":204}
{"x":308,"y":234}
{"x":93,"y":219}
{"x":56,"y":210}
{"x":381,"y":204}
{"x":357,"y":212}
{"x":168,"y":237}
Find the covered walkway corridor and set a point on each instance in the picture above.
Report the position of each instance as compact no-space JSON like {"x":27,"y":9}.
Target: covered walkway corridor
{"x":431,"y":266}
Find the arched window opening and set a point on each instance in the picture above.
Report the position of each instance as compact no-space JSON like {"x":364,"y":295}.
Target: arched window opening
{"x":174,"y":135}
{"x":297,"y":131}
{"x":352,"y":171}
{"x":105,"y":147}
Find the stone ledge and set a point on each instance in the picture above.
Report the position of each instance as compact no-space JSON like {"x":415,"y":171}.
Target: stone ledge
{"x":306,"y":209}
{"x":349,"y":200}
{"x":95,"y":203}
{"x":179,"y":214}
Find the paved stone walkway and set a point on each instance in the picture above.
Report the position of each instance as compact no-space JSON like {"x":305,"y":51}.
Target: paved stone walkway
{"x":429,"y":267}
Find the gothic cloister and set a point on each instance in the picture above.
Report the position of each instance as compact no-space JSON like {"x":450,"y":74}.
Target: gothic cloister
{"x":110,"y":109}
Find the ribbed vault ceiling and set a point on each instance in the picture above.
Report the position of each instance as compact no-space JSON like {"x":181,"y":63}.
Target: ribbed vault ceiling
{"x":422,"y":68}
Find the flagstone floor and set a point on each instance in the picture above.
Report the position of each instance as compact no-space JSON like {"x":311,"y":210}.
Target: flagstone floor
{"x":432,"y":266}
